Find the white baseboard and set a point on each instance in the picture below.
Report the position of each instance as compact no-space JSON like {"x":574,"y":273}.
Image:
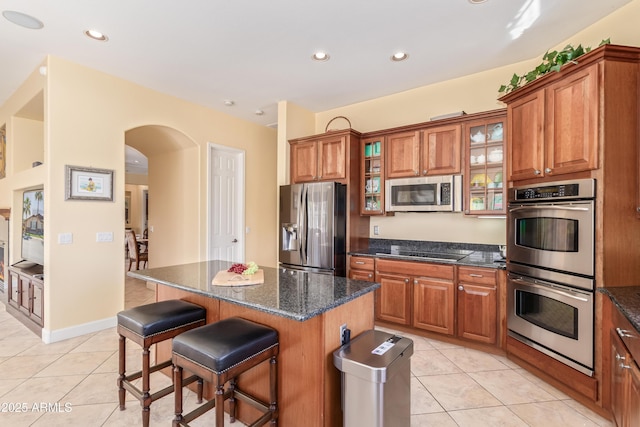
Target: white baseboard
{"x":78,"y":330}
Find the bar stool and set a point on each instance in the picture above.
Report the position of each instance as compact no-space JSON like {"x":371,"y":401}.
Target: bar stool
{"x":219,"y":352}
{"x":147,"y":325}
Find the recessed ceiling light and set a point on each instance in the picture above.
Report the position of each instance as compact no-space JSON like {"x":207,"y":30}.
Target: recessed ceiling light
{"x":229,"y":103}
{"x":399,"y":56}
{"x":259,"y":112}
{"x":320,"y":56}
{"x":23,"y":19}
{"x":96,"y":35}
{"x":477,"y":1}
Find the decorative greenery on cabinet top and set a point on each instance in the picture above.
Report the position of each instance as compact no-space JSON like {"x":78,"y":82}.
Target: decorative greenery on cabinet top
{"x":551,"y":61}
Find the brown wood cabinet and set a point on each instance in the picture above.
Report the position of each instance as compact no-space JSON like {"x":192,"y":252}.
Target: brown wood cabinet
{"x":26,"y":294}
{"x":403,"y":154}
{"x":393,"y":298}
{"x":434,"y":300}
{"x":621,"y":382}
{"x":441,"y":150}
{"x":477,"y":305}
{"x":361,"y":268}
{"x":431,"y":151}
{"x":554,"y":131}
{"x":323,"y":157}
{"x":484,"y":186}
{"x":372,"y":176}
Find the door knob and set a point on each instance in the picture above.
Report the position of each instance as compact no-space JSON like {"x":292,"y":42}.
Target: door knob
{"x":547,"y":170}
{"x":234,"y":241}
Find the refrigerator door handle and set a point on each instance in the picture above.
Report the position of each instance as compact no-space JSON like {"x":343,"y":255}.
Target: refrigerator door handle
{"x":303,"y":224}
{"x":305,"y":234}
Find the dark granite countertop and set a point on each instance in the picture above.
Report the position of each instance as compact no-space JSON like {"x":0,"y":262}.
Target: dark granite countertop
{"x":475,"y":255}
{"x":295,"y":295}
{"x":627,"y":300}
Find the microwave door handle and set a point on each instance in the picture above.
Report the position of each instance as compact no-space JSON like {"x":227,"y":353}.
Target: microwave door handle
{"x":549,"y":287}
{"x":561,"y":208}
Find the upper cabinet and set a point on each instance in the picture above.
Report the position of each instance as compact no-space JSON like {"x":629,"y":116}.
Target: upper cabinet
{"x":554,"y":130}
{"x":432,"y":151}
{"x":484,"y":171}
{"x":372,"y":176}
{"x":322,"y":157}
{"x":441,"y":150}
{"x":403,"y":154}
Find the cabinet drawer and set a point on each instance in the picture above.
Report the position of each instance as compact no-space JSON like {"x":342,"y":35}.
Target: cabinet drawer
{"x":629,"y":335}
{"x":415,"y":269}
{"x":485,"y":276}
{"x":361,"y":263}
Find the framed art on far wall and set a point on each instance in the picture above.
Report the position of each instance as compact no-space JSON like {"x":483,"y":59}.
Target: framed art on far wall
{"x":88,"y":183}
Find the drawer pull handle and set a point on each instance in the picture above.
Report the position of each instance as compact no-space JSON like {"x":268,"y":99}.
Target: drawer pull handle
{"x":360,"y":262}
{"x":619,"y":358}
{"x":623,"y":333}
{"x":475,"y":275}
{"x":623,"y":366}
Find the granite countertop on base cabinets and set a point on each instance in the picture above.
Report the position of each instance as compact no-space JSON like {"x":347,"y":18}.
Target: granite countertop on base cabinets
{"x":472,"y":255}
{"x":296,"y":295}
{"x":627,"y":300}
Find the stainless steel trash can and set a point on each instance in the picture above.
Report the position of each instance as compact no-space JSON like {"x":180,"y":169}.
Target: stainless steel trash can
{"x":376,"y":391}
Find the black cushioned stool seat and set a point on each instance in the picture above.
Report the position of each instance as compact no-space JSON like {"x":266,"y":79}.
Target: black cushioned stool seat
{"x":147,"y":325}
{"x":218,"y":353}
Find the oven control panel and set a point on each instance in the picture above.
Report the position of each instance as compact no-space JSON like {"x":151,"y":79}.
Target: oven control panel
{"x":574,"y":189}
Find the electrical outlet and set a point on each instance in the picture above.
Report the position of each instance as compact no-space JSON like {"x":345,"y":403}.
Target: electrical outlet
{"x":376,"y":230}
{"x":342,"y":329}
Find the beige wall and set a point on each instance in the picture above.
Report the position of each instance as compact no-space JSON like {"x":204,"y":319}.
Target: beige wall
{"x":86,"y":118}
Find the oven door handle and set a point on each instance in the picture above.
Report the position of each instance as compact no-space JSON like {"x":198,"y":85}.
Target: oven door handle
{"x":549,"y":287}
{"x":557,"y":207}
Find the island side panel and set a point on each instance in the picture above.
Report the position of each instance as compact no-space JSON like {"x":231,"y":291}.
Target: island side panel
{"x":359,"y":317}
{"x":300,"y":368}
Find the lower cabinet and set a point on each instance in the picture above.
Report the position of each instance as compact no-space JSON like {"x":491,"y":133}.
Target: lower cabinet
{"x":361,"y":268}
{"x":477,"y":304}
{"x":26,"y":294}
{"x":624,"y":375}
{"x":428,"y":296}
{"x":393,"y":298}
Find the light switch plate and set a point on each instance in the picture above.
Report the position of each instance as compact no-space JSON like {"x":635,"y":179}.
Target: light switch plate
{"x":65,"y":238}
{"x":104,"y":236}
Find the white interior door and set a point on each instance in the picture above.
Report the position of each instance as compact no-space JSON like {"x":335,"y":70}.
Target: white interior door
{"x":226,"y":204}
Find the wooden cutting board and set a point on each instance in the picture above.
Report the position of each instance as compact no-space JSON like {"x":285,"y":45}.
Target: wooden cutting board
{"x":227,"y":278}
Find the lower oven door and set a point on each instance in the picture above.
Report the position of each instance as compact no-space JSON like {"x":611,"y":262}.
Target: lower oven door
{"x":552,"y":318}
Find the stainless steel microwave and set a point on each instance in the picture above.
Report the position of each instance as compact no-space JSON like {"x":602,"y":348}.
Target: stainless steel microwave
{"x":424,"y":194}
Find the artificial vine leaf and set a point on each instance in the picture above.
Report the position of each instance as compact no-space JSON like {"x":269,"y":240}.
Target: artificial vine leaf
{"x":551,"y":61}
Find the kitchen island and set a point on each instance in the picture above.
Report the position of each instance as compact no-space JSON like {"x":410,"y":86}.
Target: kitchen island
{"x":306,"y":309}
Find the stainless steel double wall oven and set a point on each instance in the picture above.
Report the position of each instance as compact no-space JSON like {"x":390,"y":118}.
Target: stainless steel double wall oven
{"x":550,"y":272}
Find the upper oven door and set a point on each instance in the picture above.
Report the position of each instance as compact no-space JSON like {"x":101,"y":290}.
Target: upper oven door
{"x":558,"y":236}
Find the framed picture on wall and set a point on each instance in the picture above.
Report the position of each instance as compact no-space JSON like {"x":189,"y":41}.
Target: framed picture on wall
{"x":88,"y":183}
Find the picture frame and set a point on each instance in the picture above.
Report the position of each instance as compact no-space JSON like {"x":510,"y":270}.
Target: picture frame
{"x":83,"y":183}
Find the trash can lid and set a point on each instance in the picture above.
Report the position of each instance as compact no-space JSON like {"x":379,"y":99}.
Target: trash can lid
{"x":372,"y":355}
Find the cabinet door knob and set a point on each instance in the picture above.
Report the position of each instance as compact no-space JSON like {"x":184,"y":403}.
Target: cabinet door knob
{"x":424,"y":172}
{"x":461,"y":288}
{"x":406,"y":280}
{"x":370,"y":275}
{"x":536,"y":172}
{"x":547,"y":170}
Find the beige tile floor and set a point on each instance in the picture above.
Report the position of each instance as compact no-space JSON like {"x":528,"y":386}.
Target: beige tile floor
{"x":73,"y":383}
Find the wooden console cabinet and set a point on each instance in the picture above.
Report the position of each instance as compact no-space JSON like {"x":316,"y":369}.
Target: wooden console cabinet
{"x":26,"y":296}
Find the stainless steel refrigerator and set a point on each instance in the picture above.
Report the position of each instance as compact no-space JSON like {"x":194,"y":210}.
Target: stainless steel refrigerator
{"x":313,"y":227}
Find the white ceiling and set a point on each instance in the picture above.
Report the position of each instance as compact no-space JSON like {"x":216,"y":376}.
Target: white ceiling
{"x":257,"y":53}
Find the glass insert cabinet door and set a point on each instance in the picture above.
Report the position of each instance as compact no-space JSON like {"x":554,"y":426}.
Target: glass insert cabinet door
{"x":484,"y":178}
{"x":372,"y":177}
